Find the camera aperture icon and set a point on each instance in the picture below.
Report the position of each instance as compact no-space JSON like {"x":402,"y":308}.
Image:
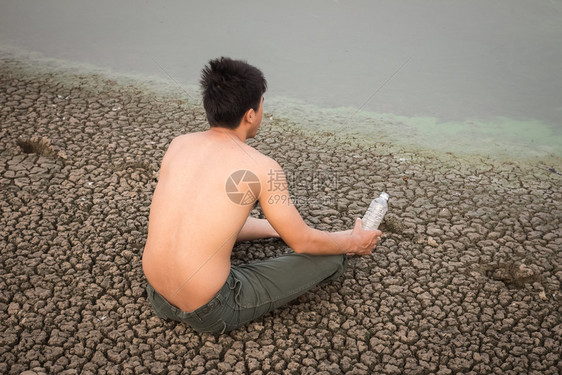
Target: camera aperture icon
{"x":243,"y":187}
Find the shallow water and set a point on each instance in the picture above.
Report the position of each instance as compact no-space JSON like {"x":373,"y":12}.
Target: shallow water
{"x":459,"y":76}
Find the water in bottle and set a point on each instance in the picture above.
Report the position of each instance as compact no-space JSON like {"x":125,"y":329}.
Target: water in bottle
{"x":375,"y":212}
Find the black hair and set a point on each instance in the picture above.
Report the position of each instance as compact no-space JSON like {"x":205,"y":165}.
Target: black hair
{"x":230,"y":88}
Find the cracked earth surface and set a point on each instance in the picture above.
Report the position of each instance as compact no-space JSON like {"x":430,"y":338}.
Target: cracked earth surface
{"x":467,"y":278}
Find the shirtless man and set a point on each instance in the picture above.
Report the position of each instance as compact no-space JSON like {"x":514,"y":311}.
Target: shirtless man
{"x":209,"y":182}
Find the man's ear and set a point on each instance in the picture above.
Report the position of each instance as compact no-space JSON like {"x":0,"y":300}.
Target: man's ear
{"x":250,"y":115}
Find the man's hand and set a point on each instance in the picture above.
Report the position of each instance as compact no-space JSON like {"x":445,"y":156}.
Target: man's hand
{"x":363,"y":242}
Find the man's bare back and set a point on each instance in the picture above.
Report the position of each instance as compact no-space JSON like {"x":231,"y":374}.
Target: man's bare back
{"x":193,"y":224}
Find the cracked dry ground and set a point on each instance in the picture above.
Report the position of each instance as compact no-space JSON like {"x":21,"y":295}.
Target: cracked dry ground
{"x":466,"y":280}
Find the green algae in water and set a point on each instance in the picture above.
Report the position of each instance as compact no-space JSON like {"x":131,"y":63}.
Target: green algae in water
{"x":499,"y":137}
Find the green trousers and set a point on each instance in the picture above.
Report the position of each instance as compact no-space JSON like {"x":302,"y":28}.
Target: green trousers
{"x":252,"y":290}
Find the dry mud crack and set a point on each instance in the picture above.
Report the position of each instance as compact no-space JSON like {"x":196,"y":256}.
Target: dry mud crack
{"x":466,"y":280}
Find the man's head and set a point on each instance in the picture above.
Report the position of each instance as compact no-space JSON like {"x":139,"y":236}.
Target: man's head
{"x":230,"y":89}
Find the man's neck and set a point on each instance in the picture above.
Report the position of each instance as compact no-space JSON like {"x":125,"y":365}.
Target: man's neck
{"x":237,"y":133}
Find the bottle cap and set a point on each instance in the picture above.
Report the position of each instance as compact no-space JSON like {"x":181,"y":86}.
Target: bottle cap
{"x":384,"y":196}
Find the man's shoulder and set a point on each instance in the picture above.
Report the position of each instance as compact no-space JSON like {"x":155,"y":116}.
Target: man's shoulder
{"x":179,"y":140}
{"x":186,"y":137}
{"x":244,"y":155}
{"x":262,"y":161}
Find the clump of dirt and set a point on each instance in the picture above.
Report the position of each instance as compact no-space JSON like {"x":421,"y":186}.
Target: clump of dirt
{"x":36,"y":145}
{"x":511,"y":274}
{"x":392,"y":224}
{"x":40,"y":146}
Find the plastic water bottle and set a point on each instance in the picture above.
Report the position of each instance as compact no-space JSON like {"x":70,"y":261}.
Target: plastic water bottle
{"x":375,"y":212}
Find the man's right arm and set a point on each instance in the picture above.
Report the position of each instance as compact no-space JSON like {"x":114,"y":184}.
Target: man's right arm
{"x":286,"y":220}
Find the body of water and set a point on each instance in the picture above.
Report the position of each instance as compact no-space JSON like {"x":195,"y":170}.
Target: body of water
{"x":476,"y":76}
